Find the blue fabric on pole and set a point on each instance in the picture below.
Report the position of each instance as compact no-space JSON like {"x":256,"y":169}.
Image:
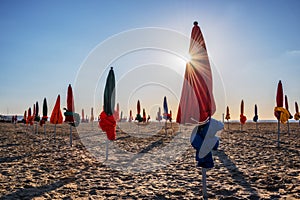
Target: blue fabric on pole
{"x":198,"y":137}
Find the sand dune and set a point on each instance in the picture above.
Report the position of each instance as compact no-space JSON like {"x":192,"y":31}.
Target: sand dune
{"x":160,"y":165}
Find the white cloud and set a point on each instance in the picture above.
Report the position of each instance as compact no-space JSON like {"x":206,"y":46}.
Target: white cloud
{"x":293,"y":52}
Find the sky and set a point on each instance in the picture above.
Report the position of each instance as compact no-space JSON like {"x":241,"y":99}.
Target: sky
{"x":46,"y":45}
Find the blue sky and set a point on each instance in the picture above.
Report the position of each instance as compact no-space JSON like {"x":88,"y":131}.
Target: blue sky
{"x":252,"y":45}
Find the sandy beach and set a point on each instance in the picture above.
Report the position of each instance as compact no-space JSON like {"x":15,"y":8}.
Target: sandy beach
{"x":248,"y":164}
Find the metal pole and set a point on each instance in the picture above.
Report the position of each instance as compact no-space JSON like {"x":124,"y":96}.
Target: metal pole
{"x":204,"y":192}
{"x":71,"y":135}
{"x":288,"y":123}
{"x":106,"y":149}
{"x":55,"y":133}
{"x":278,"y":134}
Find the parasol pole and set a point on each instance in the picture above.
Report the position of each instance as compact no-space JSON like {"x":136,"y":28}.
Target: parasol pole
{"x":37,"y":128}
{"x":70,"y":135}
{"x":54,"y":133}
{"x":45,"y":130}
{"x":288,"y":125}
{"x":278,"y":135}
{"x":228,"y":124}
{"x":204,"y":191}
{"x":106,"y":149}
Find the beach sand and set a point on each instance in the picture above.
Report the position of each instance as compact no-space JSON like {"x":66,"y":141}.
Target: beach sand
{"x":248,"y":163}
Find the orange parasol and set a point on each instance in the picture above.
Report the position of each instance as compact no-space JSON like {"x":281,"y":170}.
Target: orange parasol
{"x":56,"y":115}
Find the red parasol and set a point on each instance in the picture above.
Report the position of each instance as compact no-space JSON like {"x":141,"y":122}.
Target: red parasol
{"x":144,"y":115}
{"x":197,"y":101}
{"x":138,"y":115}
{"x":279,"y":99}
{"x":107,"y":121}
{"x":56,"y":115}
{"x":280,"y":113}
{"x":130,"y":116}
{"x":92,"y":115}
{"x":243,"y":118}
{"x":227,"y":114}
{"x":70,"y":105}
{"x":287,"y":106}
{"x":29,"y":117}
{"x":70,"y":116}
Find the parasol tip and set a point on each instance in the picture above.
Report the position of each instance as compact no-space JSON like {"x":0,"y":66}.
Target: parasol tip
{"x":111,"y":68}
{"x":195,"y":23}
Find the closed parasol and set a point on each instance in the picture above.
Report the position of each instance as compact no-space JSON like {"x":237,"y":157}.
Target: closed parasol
{"x":280,"y":113}
{"x":227,"y":117}
{"x":130,"y":116}
{"x":144,"y":115}
{"x":243,"y":118}
{"x":82,"y":115}
{"x":287,"y":108}
{"x":107,"y":121}
{"x":197,"y":101}
{"x":138,"y":115}
{"x":255,"y":118}
{"x":37,"y":116}
{"x":56,"y":115}
{"x":29,"y":117}
{"x":159,"y":117}
{"x":45,"y":113}
{"x":92,"y":115}
{"x":297,"y":114}
{"x":70,"y":116}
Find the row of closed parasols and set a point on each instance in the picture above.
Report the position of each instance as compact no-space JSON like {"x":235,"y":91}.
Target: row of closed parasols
{"x":281,"y":113}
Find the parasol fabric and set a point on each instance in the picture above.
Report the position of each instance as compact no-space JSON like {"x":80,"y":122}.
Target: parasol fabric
{"x":255,"y":118}
{"x":144,"y":115}
{"x":204,"y":140}
{"x":197,"y":101}
{"x":138,"y":115}
{"x":130,"y":116}
{"x":166,"y":114}
{"x":108,"y":124}
{"x":37,"y":116}
{"x":92,"y":115}
{"x":243,"y":118}
{"x":29,"y":117}
{"x":287,"y":106}
{"x":107,"y":121}
{"x":117,"y":113}
{"x":56,"y":115}
{"x":159,"y":117}
{"x":45,"y":113}
{"x":70,"y":116}
{"x":227,"y":117}
{"x":297,"y":114}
